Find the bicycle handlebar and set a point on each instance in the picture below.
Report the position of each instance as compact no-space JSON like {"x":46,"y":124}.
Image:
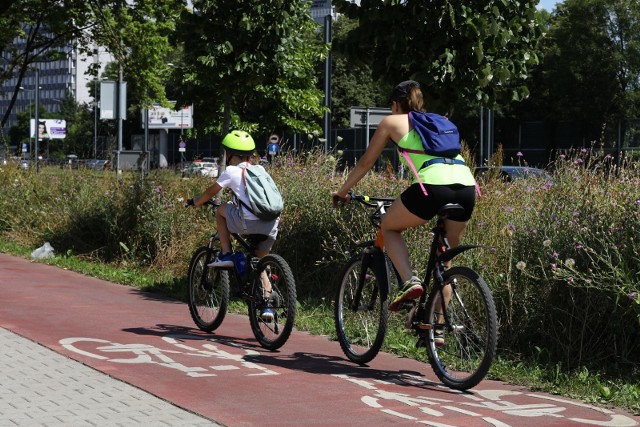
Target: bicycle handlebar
{"x":369,"y":200}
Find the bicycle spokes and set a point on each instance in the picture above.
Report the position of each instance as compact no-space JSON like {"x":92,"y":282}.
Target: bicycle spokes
{"x":462,"y":340}
{"x":274,"y":289}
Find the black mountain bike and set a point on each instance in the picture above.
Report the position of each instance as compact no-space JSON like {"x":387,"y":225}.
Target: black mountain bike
{"x":460,"y":340}
{"x":209,"y":289}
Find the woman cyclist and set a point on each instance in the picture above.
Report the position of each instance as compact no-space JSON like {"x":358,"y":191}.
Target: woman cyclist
{"x":444,"y":183}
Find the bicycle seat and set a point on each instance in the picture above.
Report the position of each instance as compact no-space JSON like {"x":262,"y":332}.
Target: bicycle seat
{"x":449,"y":209}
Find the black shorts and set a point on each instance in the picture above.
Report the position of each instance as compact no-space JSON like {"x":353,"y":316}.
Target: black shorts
{"x":426,"y":207}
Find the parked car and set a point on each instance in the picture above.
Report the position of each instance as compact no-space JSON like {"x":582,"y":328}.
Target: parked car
{"x":70,"y":162}
{"x":509,"y":173}
{"x":208,"y":169}
{"x":191,"y":169}
{"x":97,"y":164}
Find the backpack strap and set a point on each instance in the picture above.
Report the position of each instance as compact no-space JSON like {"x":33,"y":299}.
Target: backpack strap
{"x":409,"y":150}
{"x":415,"y":172}
{"x":240,"y":202}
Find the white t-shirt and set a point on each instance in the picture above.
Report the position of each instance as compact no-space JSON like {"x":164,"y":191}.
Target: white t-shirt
{"x":232,"y":178}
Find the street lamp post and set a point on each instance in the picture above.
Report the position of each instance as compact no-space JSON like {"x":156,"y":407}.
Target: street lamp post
{"x":37,"y":120}
{"x":95,"y":111}
{"x":30,"y":115}
{"x":176,"y":67}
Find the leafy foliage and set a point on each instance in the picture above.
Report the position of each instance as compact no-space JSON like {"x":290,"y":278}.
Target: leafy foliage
{"x":479,"y":51}
{"x":251,"y":64}
{"x":591,"y":68}
{"x":351,"y":81}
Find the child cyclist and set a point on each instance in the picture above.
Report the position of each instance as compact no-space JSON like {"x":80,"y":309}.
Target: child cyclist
{"x":235,"y":217}
{"x":450,"y":182}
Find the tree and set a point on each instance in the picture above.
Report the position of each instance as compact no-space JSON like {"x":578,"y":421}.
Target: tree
{"x":136,"y":32}
{"x":591,"y":68}
{"x":251,"y":63}
{"x":479,"y":52}
{"x":45,"y":28}
{"x":351,"y":81}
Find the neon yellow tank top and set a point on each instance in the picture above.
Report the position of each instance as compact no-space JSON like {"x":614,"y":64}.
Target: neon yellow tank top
{"x":435,"y":174}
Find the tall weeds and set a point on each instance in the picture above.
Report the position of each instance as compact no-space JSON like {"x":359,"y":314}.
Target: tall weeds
{"x":562,"y":256}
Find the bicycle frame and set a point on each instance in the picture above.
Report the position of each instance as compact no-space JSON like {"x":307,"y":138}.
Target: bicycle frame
{"x":374,"y":256}
{"x":455,"y":321}
{"x":440,"y":252}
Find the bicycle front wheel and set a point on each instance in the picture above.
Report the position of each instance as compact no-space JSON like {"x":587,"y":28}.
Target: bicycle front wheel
{"x":462,"y":342}
{"x":360,"y":312}
{"x":274,"y":331}
{"x":208,"y":291}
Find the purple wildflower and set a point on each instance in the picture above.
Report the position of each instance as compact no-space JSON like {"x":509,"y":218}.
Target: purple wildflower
{"x":633,"y":296}
{"x":519,"y":154}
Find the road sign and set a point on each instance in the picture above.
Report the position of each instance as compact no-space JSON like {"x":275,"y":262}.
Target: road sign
{"x":375,"y":115}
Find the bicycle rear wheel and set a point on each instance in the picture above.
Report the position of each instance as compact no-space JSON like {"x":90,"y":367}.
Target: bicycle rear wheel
{"x":461,"y":350}
{"x":208,"y":291}
{"x":360,"y":312}
{"x":272,"y":334}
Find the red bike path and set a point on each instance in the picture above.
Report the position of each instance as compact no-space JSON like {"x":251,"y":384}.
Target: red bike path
{"x":150,"y":342}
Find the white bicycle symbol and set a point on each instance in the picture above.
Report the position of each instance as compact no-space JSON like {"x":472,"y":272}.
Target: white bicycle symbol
{"x":145,"y":353}
{"x":429,"y":410}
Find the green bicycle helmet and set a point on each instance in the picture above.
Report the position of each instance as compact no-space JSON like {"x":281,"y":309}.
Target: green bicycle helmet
{"x":239,"y":142}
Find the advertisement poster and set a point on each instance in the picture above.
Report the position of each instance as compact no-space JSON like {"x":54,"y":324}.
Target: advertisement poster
{"x":49,"y":129}
{"x":168,"y":118}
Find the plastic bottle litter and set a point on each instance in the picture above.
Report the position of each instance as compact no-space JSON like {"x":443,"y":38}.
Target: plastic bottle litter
{"x":44,"y":251}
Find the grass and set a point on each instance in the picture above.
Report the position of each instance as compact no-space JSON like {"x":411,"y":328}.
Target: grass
{"x":563,"y":264}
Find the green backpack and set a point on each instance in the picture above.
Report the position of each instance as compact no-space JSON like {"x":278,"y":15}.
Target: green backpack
{"x":264,"y":197}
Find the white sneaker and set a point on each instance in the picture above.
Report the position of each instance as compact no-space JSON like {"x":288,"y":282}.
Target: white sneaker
{"x":224,"y":260}
{"x":267,"y":315}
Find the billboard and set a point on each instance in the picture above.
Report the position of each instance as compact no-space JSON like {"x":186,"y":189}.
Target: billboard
{"x":168,"y":118}
{"x":49,"y":128}
{"x":108,"y":97}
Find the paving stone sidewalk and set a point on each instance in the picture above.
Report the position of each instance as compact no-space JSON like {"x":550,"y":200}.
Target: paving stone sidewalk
{"x":39,"y":387}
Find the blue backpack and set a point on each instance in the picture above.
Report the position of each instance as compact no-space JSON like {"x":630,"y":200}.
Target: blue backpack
{"x":440,"y":137}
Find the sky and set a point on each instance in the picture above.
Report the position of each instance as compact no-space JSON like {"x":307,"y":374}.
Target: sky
{"x":548,"y":4}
